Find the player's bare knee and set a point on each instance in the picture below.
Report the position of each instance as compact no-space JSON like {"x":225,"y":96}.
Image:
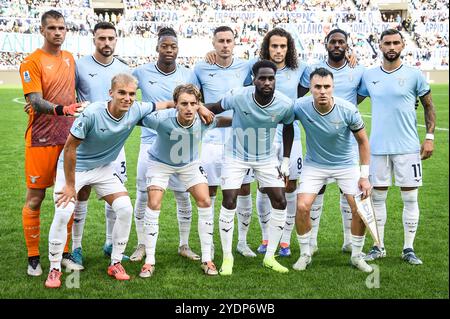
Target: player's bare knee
{"x":204,"y":202}
{"x":34,"y":201}
{"x":229,"y":203}
{"x":279,"y":202}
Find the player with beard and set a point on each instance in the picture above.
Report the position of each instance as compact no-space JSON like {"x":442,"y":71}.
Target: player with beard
{"x":92,"y":81}
{"x":394,"y":142}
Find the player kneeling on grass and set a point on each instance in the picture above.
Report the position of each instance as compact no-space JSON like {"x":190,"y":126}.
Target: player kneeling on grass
{"x":95,"y":140}
{"x":175,"y":151}
{"x":329,"y":122}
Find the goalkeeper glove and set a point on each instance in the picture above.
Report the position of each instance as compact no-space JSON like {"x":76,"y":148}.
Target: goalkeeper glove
{"x":70,"y":110}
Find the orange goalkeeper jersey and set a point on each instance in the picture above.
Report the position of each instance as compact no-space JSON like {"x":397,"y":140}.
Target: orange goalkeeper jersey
{"x":54,"y":77}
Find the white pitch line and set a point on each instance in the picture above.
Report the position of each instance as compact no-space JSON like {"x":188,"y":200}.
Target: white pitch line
{"x":19,"y":100}
{"x":421,"y":125}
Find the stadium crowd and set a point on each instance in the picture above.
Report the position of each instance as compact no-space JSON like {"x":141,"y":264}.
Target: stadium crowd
{"x":250,"y":20}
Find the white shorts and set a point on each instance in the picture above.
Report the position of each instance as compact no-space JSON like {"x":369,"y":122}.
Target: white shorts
{"x":158,"y":174}
{"x":407,"y":169}
{"x":120,"y":166}
{"x":266,"y":173}
{"x":142,"y":166}
{"x":104,"y":180}
{"x":313,"y":178}
{"x":212,"y":159}
{"x":295,"y":159}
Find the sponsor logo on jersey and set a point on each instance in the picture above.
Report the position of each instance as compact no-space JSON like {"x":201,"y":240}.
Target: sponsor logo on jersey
{"x":26,"y":77}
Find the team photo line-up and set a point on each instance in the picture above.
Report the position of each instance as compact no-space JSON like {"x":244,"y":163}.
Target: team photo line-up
{"x":227,"y":122}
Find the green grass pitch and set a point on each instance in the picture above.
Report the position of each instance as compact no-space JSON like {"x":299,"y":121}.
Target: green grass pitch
{"x":330,"y":275}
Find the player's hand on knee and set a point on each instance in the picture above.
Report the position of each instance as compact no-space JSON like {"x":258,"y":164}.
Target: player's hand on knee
{"x":65,"y":196}
{"x":426,"y":150}
{"x":74,"y":109}
{"x":365,"y":187}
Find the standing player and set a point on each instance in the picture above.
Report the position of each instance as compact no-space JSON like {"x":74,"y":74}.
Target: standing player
{"x":292,"y":80}
{"x":347,"y":81}
{"x":48,"y":81}
{"x":394,"y":142}
{"x":157,"y":82}
{"x":215,"y":80}
{"x":175,"y":151}
{"x":257,"y":112}
{"x":93,"y":80}
{"x":329,"y":123}
{"x":95,"y":141}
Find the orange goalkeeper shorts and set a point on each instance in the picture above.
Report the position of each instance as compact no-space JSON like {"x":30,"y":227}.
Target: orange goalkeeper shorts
{"x":40,"y":165}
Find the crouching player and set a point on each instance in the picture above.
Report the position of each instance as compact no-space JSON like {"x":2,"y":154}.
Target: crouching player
{"x":95,"y":140}
{"x":175,"y":151}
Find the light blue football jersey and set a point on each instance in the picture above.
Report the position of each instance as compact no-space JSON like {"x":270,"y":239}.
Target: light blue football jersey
{"x":157,"y":86}
{"x":393,"y":96}
{"x":347,"y":80}
{"x":287,"y":82}
{"x":215,"y":81}
{"x":175,"y":145}
{"x":328,"y":136}
{"x":93,"y":79}
{"x":103,"y":135}
{"x":254,"y":126}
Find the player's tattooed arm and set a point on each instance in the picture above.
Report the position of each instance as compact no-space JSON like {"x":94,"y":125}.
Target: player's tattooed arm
{"x":430,"y":112}
{"x":40,"y":105}
{"x":426,"y":149}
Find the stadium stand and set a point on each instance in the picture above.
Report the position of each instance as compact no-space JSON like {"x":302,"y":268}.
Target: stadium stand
{"x":424,"y":24}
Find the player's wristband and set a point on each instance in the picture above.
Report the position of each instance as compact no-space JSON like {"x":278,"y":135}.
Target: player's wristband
{"x":364,"y":171}
{"x":429,"y":136}
{"x":58,"y":110}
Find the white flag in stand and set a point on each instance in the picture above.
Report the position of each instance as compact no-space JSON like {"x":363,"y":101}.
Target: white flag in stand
{"x":365,"y":210}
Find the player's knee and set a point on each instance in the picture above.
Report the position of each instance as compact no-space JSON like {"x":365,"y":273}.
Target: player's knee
{"x":303,"y":209}
{"x":204,"y":202}
{"x":34,"y":202}
{"x":63,"y":215}
{"x":123,"y":208}
{"x":279,"y":201}
{"x":379,"y":195}
{"x":229,"y":203}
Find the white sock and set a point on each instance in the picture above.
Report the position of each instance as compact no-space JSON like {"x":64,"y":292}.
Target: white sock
{"x":379,"y":208}
{"x":110,"y":216}
{"x":139,"y":211}
{"x":244,"y":216}
{"x":184,"y":215}
{"x":151,"y":230}
{"x":276,"y":226}
{"x":315,"y":213}
{"x":263,"y":208}
{"x":303,"y":242}
{"x":346,"y":213}
{"x":357,"y":244}
{"x":291,"y":209}
{"x":205,"y":232}
{"x":213,"y":214}
{"x":79,"y":219}
{"x":58,"y":234}
{"x":410,"y":216}
{"x":121,"y":230}
{"x":226,"y":227}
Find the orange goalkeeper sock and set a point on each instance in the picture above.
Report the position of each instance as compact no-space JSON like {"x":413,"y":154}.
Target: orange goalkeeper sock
{"x":69,"y":234}
{"x":31,"y":229}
